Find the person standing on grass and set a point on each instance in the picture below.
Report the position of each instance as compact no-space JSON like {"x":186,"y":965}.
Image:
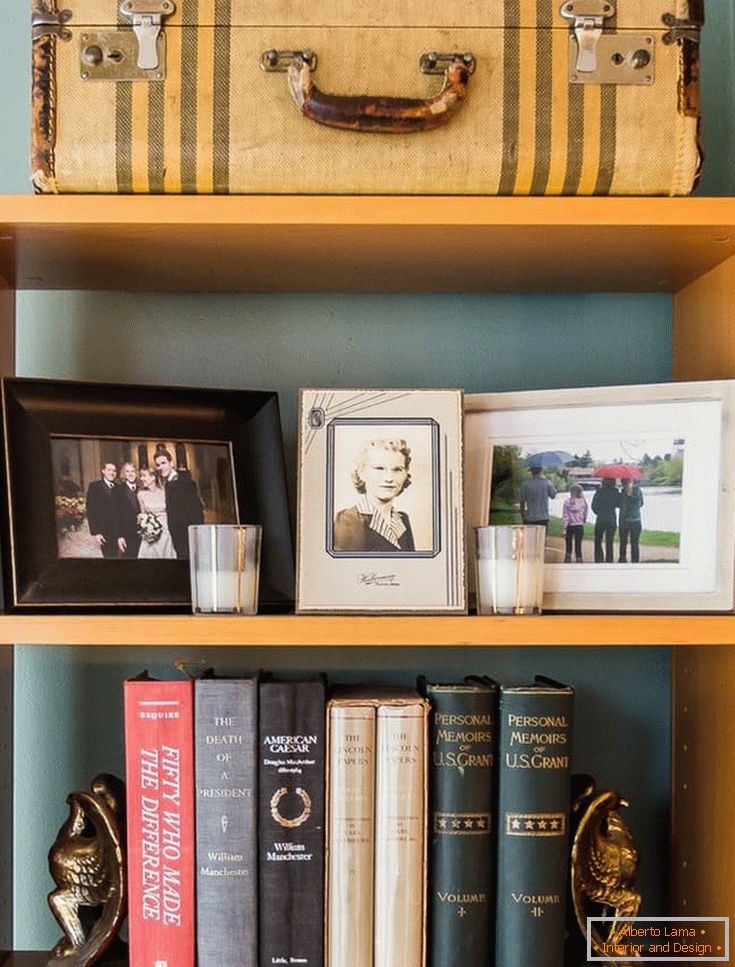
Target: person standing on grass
{"x":631,"y":501}
{"x":605,"y":505}
{"x":535,"y":496}
{"x":573,"y":515}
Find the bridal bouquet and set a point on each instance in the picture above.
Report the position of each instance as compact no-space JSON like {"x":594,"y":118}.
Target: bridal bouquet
{"x":150,"y":527}
{"x":69,"y":513}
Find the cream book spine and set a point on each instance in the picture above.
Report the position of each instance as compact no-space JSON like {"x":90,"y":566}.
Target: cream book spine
{"x":351,"y":836}
{"x":400,"y":805}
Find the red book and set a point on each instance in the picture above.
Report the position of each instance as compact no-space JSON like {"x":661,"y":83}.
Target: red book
{"x":159,"y":766}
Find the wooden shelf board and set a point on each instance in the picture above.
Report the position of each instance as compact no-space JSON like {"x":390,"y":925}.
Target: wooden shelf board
{"x":398,"y":630}
{"x":359,"y":244}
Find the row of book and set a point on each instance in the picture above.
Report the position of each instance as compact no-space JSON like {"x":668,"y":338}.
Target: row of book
{"x":381,"y":827}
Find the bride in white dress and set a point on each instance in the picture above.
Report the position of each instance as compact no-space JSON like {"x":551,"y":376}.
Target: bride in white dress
{"x":152,"y":500}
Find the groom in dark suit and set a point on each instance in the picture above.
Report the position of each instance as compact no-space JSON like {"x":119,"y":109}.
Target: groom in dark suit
{"x":128,"y":540}
{"x":102,"y":511}
{"x":183,"y":503}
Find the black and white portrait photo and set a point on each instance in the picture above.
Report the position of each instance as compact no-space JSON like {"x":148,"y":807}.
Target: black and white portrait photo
{"x":384,"y":497}
{"x":119,"y":499}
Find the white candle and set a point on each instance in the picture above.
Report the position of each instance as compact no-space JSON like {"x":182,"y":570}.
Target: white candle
{"x":224,"y":562}
{"x":226,"y":591}
{"x":506,"y":586}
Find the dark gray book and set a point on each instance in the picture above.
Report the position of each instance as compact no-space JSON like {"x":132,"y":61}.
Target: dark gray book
{"x":462,"y":790}
{"x":291,"y":823}
{"x":535,"y":758}
{"x":225,"y":768}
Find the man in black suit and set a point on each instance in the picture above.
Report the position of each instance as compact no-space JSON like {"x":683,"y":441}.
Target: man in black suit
{"x":128,"y":540}
{"x":102,"y":510}
{"x":183,"y":503}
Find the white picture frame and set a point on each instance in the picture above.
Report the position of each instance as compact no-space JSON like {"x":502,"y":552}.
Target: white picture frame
{"x":366,"y":543}
{"x":616,"y":422}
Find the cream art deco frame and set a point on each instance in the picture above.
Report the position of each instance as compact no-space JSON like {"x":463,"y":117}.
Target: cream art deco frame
{"x":410,"y":561}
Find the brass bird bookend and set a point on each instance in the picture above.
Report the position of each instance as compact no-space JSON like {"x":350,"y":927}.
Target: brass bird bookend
{"x":604,"y":863}
{"x":87,"y":865}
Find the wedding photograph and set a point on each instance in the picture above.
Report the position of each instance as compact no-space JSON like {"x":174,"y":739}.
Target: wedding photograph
{"x":122,"y":499}
{"x":602,"y":501}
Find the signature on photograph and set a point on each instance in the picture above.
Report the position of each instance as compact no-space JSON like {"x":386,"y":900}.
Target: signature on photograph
{"x":373,"y":579}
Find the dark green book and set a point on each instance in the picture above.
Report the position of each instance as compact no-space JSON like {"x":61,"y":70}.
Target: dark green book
{"x":462,"y":822}
{"x":535,"y":759}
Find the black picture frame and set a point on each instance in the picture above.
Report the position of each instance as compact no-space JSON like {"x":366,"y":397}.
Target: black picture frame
{"x":34,"y":411}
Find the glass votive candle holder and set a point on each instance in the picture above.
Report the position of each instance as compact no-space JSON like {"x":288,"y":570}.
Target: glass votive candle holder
{"x":510,"y":568}
{"x":224,"y":560}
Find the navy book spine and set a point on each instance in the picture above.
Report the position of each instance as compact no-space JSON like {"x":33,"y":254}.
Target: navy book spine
{"x":291,"y":823}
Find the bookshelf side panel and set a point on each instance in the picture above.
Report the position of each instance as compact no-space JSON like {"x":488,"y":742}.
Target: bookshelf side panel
{"x":703,"y":781}
{"x":6,"y":797}
{"x":703,"y":341}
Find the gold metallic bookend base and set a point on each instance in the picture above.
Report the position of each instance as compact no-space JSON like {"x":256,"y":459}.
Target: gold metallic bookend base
{"x":604,"y":863}
{"x":87,"y":864}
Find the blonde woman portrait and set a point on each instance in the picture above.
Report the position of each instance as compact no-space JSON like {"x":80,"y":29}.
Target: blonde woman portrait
{"x":381,"y":473}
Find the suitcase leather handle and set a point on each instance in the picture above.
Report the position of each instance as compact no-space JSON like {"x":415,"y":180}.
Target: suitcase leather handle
{"x":382,"y":115}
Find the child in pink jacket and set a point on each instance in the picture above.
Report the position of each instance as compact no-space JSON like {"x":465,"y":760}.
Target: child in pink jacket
{"x":574,"y":514}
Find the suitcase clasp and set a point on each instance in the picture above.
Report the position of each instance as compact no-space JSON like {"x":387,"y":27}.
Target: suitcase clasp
{"x":599,"y":57}
{"x":147,"y":17}
{"x":588,"y":19}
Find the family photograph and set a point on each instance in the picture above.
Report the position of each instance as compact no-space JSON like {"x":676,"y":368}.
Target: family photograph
{"x":135,"y":499}
{"x":602,"y":502}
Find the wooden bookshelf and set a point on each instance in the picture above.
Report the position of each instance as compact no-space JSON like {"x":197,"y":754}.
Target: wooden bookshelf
{"x":358,"y":244}
{"x":366,"y":631}
{"x":684,"y":246}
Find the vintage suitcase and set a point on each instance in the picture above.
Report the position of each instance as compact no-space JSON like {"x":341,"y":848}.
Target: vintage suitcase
{"x":377,"y":96}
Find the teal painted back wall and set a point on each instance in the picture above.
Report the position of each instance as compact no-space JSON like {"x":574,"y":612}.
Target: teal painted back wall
{"x":68,"y":701}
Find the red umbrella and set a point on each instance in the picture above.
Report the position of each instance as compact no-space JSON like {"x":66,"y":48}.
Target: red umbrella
{"x":619,"y":471}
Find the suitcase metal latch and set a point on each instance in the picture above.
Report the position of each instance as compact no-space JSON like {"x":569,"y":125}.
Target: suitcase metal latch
{"x":124,"y":54}
{"x":596,"y":57}
{"x":588,"y":18}
{"x":147,"y":17}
